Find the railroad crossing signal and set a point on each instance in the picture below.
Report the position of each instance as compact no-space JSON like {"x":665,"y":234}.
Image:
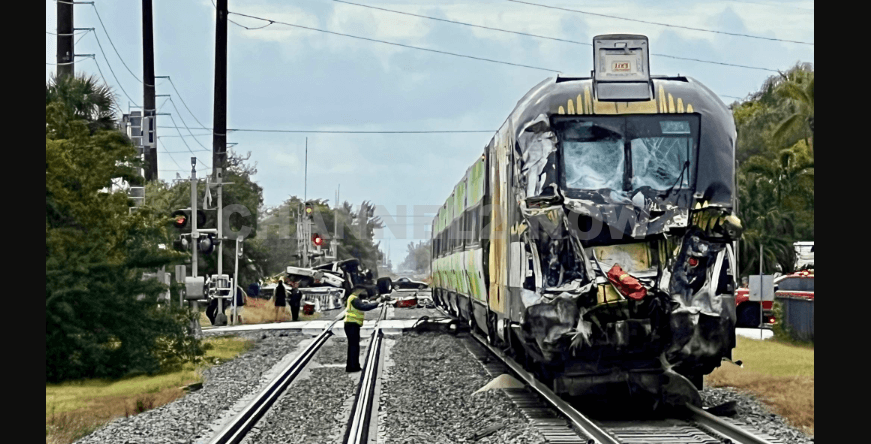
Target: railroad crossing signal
{"x":181,"y":219}
{"x":207,"y":244}
{"x":317,"y":240}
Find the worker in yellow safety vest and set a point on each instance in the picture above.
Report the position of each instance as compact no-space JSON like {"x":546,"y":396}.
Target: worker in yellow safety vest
{"x":354,"y":308}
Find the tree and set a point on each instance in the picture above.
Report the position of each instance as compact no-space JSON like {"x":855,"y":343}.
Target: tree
{"x":418,"y":257}
{"x":798,"y":89}
{"x":767,"y":110}
{"x":85,"y":98}
{"x":102,"y":318}
{"x":776,"y":170}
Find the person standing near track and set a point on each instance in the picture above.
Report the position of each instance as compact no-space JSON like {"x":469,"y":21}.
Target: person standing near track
{"x":354,"y":308}
{"x":295,"y":299}
{"x":280,"y":298}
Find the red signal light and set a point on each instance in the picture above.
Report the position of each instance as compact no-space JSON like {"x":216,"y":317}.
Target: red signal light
{"x":317,"y":239}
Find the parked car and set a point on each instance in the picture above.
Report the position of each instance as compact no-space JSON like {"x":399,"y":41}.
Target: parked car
{"x":796,"y":284}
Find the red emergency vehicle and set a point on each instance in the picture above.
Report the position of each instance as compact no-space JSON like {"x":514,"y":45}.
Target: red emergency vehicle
{"x":800,"y":284}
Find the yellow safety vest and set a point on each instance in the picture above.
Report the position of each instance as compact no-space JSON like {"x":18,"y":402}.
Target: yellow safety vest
{"x":353,"y":315}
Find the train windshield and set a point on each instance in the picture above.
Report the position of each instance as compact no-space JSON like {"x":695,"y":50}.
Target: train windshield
{"x":627,"y":153}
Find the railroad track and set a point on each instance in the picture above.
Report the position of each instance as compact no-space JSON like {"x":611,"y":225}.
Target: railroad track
{"x":365,"y":405}
{"x":560,"y":422}
{"x":359,"y":423}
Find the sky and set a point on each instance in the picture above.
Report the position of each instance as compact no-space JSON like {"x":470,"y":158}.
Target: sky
{"x":286,"y":78}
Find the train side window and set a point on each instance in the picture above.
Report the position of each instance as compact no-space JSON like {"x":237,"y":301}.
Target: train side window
{"x":473,"y":226}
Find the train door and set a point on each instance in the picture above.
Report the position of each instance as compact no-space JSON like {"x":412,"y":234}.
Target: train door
{"x":498,"y":255}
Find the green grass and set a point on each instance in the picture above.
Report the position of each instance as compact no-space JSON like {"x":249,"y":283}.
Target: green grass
{"x":74,"y":409}
{"x":775,"y":358}
{"x":780,"y":374}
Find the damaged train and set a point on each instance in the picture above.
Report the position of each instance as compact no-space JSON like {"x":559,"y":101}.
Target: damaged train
{"x":593,"y":238}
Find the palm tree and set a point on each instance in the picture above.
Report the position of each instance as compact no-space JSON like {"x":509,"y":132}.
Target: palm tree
{"x":86,"y":98}
{"x":798,"y":88}
{"x":773,"y":194}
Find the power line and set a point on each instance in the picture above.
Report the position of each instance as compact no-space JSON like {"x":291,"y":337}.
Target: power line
{"x":80,"y":38}
{"x":182,"y":101}
{"x":773,"y":5}
{"x":68,"y":35}
{"x":250,"y":130}
{"x":112,"y":70}
{"x":170,"y":155}
{"x":661,"y":24}
{"x":199,"y":169}
{"x":182,"y":137}
{"x":113,"y":46}
{"x":185,"y":124}
{"x":575,"y":42}
{"x":104,"y":81}
{"x":89,"y":56}
{"x":180,"y":152}
{"x":195,"y":135}
{"x":396,"y":44}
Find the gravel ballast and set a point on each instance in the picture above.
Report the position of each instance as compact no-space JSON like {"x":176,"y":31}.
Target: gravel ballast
{"x":753,"y":412}
{"x":316,"y":406}
{"x":428,"y":396}
{"x":191,"y":417}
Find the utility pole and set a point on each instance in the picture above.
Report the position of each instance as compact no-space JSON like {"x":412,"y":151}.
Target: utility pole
{"x":219,"y":130}
{"x":238,"y":252}
{"x":65,"y":66}
{"x":149,"y":100}
{"x":761,"y":291}
{"x":306,"y":221}
{"x":195,"y":244}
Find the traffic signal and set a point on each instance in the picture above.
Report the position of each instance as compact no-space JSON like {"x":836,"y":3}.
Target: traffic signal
{"x":317,"y":240}
{"x":309,"y":209}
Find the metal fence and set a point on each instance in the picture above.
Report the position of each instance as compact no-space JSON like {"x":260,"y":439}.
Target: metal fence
{"x":798,"y":316}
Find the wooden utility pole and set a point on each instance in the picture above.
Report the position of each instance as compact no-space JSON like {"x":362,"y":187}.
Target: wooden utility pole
{"x":219,"y":125}
{"x":65,"y":52}
{"x":150,"y":132}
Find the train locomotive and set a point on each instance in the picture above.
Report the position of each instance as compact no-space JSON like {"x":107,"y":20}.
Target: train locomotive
{"x":593,"y":238}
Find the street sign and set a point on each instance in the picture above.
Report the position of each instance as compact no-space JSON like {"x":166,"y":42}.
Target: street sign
{"x":762,"y":289}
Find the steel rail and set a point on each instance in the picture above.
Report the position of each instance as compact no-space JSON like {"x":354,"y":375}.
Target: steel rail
{"x":725,"y":428}
{"x":236,"y":429}
{"x":357,"y":431}
{"x":578,"y":420}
